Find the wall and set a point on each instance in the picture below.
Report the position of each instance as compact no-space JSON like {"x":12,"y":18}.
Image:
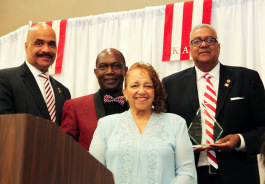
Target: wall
{"x":17,"y":13}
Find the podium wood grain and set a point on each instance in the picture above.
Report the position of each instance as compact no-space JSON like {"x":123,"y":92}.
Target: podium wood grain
{"x":36,"y":151}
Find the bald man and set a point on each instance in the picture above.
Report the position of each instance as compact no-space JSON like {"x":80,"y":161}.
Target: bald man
{"x":22,"y":89}
{"x":80,"y":115}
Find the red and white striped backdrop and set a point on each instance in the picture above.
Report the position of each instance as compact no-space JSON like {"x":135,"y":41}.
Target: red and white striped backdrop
{"x":59,"y":27}
{"x":179,"y":20}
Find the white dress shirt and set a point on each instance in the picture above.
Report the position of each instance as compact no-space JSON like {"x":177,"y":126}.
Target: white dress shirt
{"x":35,"y":72}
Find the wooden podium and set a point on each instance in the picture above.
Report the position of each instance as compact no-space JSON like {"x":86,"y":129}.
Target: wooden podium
{"x":36,"y":151}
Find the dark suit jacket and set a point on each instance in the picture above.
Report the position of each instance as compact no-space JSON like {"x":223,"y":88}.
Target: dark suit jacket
{"x":245,"y":116}
{"x":80,"y":117}
{"x":20,"y":93}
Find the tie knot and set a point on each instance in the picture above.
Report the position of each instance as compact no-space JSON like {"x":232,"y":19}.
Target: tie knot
{"x":44,"y":76}
{"x":119,"y":99}
{"x":207,"y":76}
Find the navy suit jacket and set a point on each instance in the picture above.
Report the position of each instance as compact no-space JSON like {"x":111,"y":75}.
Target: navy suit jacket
{"x":20,"y":93}
{"x":245,"y":116}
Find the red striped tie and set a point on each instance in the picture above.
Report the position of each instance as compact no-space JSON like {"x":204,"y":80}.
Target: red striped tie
{"x":210,"y":101}
{"x":49,"y":97}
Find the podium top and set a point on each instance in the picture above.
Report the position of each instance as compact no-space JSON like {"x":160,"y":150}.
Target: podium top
{"x":36,"y":150}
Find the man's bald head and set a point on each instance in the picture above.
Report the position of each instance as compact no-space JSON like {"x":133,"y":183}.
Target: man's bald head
{"x":37,"y":28}
{"x":111,"y":51}
{"x":41,"y":46}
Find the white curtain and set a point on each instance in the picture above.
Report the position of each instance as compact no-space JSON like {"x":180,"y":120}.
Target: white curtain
{"x":12,"y":52}
{"x":138,"y":34}
{"x":240,"y":25}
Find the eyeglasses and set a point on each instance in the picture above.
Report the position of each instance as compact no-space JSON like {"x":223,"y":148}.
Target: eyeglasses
{"x":197,"y":42}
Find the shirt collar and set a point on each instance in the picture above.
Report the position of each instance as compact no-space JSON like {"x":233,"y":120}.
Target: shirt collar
{"x":35,"y":72}
{"x":215,"y":72}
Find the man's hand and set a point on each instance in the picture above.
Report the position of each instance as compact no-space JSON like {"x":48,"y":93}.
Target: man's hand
{"x":198,"y":149}
{"x":226,"y":144}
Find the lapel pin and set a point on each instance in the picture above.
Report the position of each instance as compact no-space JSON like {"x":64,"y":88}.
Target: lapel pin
{"x":228,"y":81}
{"x":226,"y":85}
{"x":59,"y":90}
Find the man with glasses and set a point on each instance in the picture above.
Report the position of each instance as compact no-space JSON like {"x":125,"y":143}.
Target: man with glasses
{"x":236,"y":99}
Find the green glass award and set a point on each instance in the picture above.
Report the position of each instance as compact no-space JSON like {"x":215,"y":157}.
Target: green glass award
{"x":195,"y":129}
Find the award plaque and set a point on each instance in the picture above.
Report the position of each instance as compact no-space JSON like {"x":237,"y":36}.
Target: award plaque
{"x":195,"y":129}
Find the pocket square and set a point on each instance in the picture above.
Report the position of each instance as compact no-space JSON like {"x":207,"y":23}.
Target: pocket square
{"x":237,"y":98}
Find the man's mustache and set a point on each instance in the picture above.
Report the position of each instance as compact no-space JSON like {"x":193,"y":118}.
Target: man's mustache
{"x":45,"y":54}
{"x":204,"y":50}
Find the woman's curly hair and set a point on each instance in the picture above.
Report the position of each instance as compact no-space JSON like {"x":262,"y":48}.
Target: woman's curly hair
{"x":160,"y":92}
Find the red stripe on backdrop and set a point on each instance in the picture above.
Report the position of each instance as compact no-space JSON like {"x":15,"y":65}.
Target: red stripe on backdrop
{"x":61,"y":42}
{"x":207,"y":12}
{"x":49,"y":23}
{"x":186,"y":28}
{"x":168,"y":32}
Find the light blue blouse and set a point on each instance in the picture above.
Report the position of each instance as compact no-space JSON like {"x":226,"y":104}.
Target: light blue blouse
{"x":162,"y":154}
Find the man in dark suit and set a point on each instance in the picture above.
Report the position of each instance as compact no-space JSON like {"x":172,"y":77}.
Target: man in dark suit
{"x":22,"y":88}
{"x":240,"y":110}
{"x":80,"y":115}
